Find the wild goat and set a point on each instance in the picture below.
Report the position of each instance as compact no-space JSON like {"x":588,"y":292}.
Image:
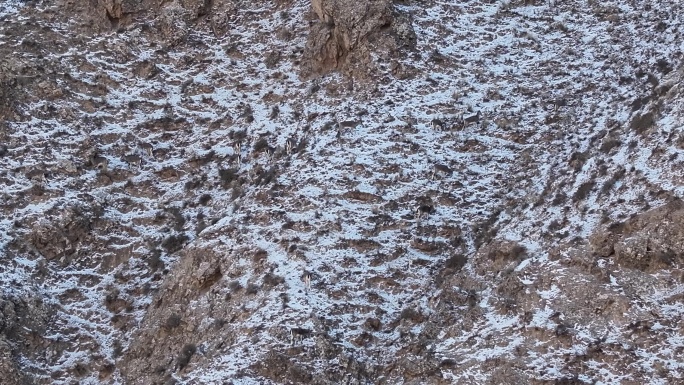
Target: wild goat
{"x":437,"y":124}
{"x":349,"y":124}
{"x":472,"y":119}
{"x":270,"y":153}
{"x":37,"y":175}
{"x":298,"y":334}
{"x":424,"y":210}
{"x":99,"y":162}
{"x":288,"y":146}
{"x":442,"y":170}
{"x":502,"y":122}
{"x":133,"y":160}
{"x":237,"y":150}
{"x":147,"y":148}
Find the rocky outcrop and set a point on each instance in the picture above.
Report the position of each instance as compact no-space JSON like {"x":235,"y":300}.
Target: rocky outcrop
{"x":9,"y":372}
{"x":348,"y":32}
{"x":198,"y":313}
{"x":104,"y":15}
{"x":15,"y":75}
{"x":649,"y":242}
{"x":23,"y":322}
{"x":169,"y":337}
{"x":60,"y":237}
{"x":172,"y":18}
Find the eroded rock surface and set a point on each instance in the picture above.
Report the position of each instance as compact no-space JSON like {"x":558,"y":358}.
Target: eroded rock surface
{"x":650,"y":241}
{"x":23,"y":322}
{"x":9,"y":371}
{"x":349,"y":32}
{"x":167,"y":340}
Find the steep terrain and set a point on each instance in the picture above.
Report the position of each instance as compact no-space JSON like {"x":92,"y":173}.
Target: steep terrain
{"x":326,"y":192}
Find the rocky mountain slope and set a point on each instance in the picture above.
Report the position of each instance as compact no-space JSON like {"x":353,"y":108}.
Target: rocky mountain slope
{"x":338,"y":192}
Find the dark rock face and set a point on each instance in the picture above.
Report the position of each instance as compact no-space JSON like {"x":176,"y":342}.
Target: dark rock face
{"x":7,"y":96}
{"x":104,"y":15}
{"x":348,"y":31}
{"x":271,"y":282}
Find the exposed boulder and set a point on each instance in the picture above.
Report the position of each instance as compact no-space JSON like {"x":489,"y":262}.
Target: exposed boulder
{"x":283,"y":369}
{"x":220,"y":17}
{"x":9,"y":372}
{"x":23,"y":323}
{"x":116,"y":10}
{"x":173,"y":22}
{"x":348,"y":32}
{"x":498,"y":255}
{"x":171,"y":331}
{"x":16,"y":75}
{"x":105,"y":15}
{"x":60,"y":237}
{"x":7,"y":91}
{"x":649,"y":242}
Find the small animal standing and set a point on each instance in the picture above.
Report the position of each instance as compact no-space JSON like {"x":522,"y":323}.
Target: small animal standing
{"x":472,"y":119}
{"x":298,"y":335}
{"x":441,"y":170}
{"x":437,"y":124}
{"x":99,"y":162}
{"x":424,"y":211}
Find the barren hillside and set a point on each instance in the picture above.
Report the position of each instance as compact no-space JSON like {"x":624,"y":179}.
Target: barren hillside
{"x":341,"y":192}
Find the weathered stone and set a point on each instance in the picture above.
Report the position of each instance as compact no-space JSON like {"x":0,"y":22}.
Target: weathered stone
{"x":498,"y":255}
{"x":58,"y":238}
{"x":155,"y":342}
{"x":23,"y":323}
{"x":9,"y":372}
{"x":349,"y":31}
{"x":649,"y":241}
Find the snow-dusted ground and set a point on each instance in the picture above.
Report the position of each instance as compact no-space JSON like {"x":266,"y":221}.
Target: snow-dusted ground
{"x":554,"y":84}
{"x":9,"y":8}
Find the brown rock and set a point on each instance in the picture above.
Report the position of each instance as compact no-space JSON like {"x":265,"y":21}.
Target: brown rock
{"x":650,"y":241}
{"x":104,"y":15}
{"x":602,"y":242}
{"x":348,"y":31}
{"x":59,"y":238}
{"x":498,"y":255}
{"x":173,"y":22}
{"x":23,"y":323}
{"x":373,"y":324}
{"x":507,"y":374}
{"x":9,"y":373}
{"x":169,"y":335}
